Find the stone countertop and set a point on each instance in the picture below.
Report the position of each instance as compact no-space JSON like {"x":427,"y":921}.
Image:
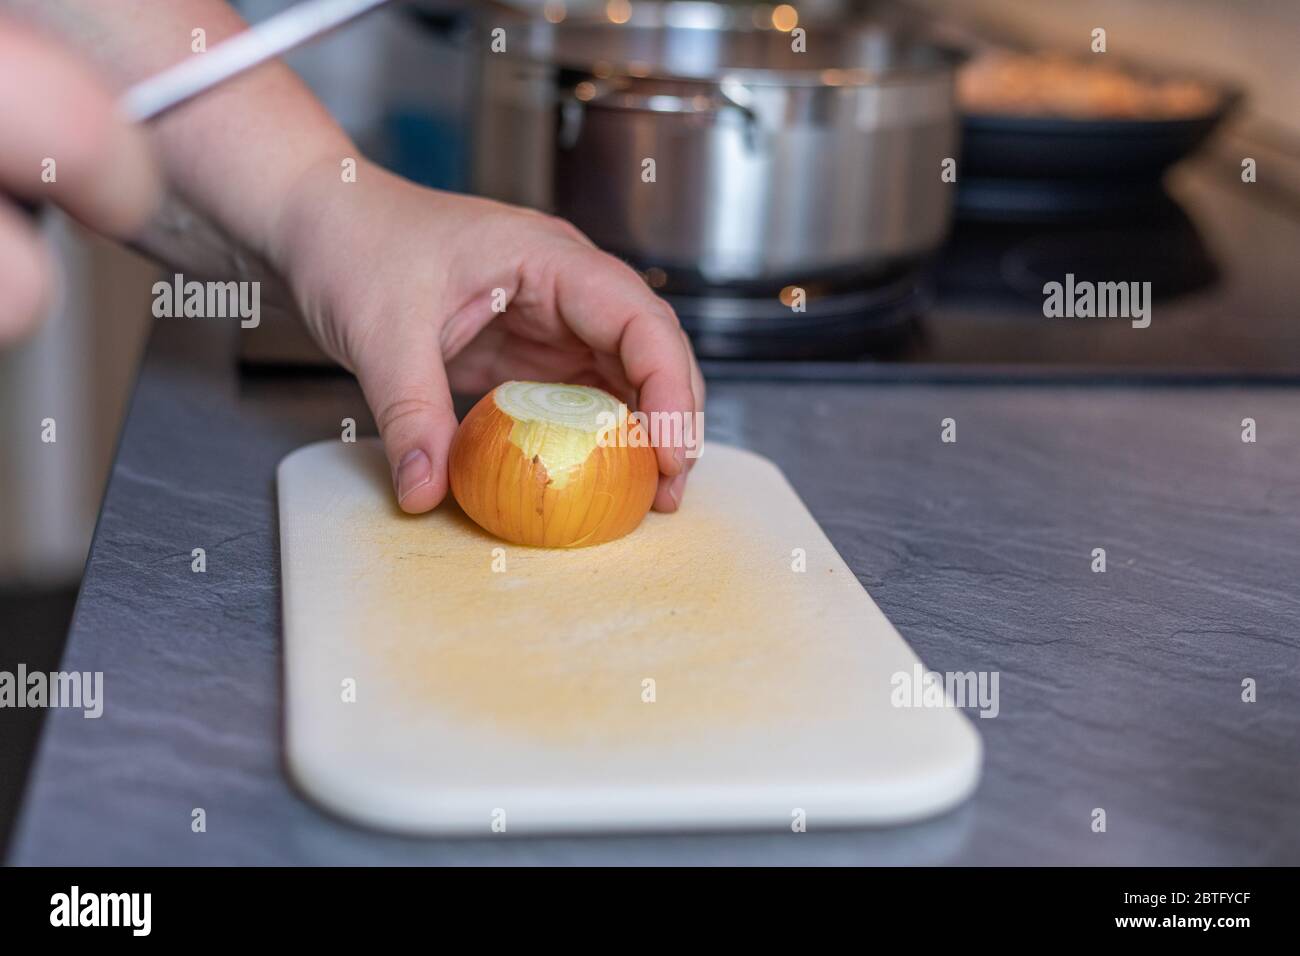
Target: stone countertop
{"x":1120,"y":690}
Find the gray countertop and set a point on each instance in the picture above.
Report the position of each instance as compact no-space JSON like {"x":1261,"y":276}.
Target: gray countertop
{"x":1119,"y":690}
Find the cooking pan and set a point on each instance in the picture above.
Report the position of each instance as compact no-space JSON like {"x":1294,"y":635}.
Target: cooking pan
{"x":1052,"y":147}
{"x":772,"y":166}
{"x":1048,"y":167}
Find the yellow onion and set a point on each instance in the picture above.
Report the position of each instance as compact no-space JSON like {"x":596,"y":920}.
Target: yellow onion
{"x":549,"y":466}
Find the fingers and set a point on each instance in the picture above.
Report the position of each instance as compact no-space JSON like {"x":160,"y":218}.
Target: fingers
{"x":406,"y":388}
{"x":608,"y":307}
{"x":24,"y":275}
{"x":697,"y":381}
{"x":64,"y":140}
{"x":668,"y":497}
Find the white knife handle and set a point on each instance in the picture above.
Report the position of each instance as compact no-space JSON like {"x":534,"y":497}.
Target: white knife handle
{"x":263,"y":41}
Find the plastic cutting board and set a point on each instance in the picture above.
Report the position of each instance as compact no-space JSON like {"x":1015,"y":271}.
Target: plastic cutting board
{"x":439,"y":680}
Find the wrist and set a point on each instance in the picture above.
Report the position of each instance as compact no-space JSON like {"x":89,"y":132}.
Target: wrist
{"x":332,"y":223}
{"x":341,"y":209}
{"x":306,"y":201}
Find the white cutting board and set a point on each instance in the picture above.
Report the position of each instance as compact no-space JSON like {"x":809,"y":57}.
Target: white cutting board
{"x":519,"y":698}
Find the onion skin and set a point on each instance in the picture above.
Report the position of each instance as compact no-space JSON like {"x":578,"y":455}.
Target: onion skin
{"x":512,"y":496}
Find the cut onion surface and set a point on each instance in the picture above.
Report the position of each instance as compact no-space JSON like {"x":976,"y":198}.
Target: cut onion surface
{"x":556,"y":466}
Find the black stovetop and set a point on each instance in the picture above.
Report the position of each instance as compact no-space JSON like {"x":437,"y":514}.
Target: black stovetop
{"x":1222,"y":257}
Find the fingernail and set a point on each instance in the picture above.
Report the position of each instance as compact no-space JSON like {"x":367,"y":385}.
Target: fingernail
{"x":413,"y":472}
{"x":679,"y":456}
{"x":675,"y":489}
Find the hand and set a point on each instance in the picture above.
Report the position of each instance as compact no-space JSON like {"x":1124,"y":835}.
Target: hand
{"x":396,"y":283}
{"x":53,"y":109}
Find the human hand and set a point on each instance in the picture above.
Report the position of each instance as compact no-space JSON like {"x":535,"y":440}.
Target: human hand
{"x":397,"y":282}
{"x":64,"y":142}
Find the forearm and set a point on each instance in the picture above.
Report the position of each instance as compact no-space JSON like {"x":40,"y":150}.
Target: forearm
{"x":230,"y":157}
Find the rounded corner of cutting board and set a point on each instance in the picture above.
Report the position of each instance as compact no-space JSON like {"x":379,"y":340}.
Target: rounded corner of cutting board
{"x":741,"y":456}
{"x":323,"y":449}
{"x":969,"y":770}
{"x":336,"y":789}
{"x":364,"y":800}
{"x":303,"y":451}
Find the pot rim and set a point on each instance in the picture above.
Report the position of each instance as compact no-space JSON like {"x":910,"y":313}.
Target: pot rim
{"x":948,"y":60}
{"x":707,"y":17}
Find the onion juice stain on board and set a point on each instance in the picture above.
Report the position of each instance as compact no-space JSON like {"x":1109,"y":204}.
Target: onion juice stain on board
{"x":556,"y":648}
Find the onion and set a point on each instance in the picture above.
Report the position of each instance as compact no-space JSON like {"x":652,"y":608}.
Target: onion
{"x":542,"y":465}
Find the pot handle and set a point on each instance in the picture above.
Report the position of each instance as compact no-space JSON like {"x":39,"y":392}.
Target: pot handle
{"x":733,"y":95}
{"x":741,"y":97}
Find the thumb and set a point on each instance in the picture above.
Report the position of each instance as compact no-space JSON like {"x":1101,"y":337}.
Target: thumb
{"x":406,"y":388}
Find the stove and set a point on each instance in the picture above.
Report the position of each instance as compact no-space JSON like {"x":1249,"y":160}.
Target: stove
{"x":1221,"y":257}
{"x":828,"y":320}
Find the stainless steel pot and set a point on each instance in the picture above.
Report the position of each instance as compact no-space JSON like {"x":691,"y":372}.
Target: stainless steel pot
{"x":769,"y":165}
